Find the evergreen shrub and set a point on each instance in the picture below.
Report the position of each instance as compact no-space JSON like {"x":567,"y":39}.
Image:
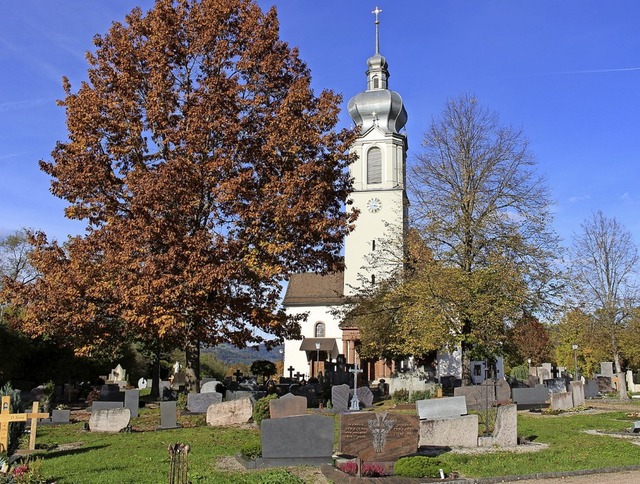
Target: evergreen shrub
{"x":420,"y":467}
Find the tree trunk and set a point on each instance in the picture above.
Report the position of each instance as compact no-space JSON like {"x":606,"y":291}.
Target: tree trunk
{"x":155,"y":374}
{"x":622,"y":382}
{"x":192,"y":356}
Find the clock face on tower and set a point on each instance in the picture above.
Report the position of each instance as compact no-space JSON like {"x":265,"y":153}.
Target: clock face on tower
{"x":374,"y":205}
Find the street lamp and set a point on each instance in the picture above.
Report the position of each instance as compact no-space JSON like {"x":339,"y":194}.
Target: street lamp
{"x":317,"y":358}
{"x":529,"y":363}
{"x":575,"y":358}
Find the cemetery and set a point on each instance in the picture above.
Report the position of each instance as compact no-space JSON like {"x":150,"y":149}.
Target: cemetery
{"x":290,"y":430}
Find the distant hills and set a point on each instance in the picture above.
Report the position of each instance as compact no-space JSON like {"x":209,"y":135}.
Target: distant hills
{"x":231,"y":355}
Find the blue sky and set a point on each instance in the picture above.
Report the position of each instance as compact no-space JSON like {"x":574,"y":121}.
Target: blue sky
{"x":567,"y":72}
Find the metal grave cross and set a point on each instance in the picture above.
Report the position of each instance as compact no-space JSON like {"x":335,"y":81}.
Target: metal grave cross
{"x":34,"y":415}
{"x":6,"y":417}
{"x":237,"y":374}
{"x":291,"y":369}
{"x":355,"y":403}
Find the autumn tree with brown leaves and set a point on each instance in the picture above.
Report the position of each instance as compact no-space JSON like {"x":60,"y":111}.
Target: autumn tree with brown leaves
{"x":207,"y":172}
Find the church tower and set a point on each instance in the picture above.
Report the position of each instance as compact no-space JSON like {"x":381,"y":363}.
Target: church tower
{"x":379,"y":174}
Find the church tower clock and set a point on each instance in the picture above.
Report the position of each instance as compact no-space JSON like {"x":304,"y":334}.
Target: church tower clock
{"x":379,"y":173}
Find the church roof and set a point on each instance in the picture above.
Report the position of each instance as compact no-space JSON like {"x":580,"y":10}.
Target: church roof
{"x":310,"y":289}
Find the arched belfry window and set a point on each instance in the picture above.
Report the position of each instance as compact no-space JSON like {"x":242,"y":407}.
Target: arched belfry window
{"x":320,"y":330}
{"x":376,"y":83}
{"x":374,"y":165}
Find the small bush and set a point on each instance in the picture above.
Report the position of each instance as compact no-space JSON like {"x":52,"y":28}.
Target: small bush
{"x":401,"y":396}
{"x":419,"y":395}
{"x":420,"y":467}
{"x":261,"y":409}
{"x":368,"y":469}
{"x":280,"y":476}
{"x":520,"y":373}
{"x":181,"y":404}
{"x":251,"y":451}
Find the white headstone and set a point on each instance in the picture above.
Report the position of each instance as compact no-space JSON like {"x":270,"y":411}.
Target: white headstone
{"x":142,"y":383}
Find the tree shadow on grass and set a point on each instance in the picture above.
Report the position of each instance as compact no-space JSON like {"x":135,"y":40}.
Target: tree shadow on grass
{"x":63,"y":452}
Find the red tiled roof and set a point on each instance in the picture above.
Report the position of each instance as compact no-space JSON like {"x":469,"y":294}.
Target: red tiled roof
{"x":309,"y":289}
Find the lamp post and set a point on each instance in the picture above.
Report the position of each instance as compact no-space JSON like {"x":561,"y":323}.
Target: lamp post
{"x":529,"y":365}
{"x":575,"y":358}
{"x":317,"y":358}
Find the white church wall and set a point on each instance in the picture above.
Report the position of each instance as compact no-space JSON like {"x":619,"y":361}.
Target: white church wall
{"x":449,"y":364}
{"x":292,"y":354}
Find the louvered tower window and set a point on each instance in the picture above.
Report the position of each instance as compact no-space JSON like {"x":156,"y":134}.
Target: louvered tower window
{"x":374,"y":165}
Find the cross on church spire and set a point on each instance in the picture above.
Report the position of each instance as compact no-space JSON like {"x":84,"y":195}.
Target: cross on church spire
{"x":377,"y":22}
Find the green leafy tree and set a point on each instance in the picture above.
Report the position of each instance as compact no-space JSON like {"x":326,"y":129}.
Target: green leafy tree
{"x":263,"y":367}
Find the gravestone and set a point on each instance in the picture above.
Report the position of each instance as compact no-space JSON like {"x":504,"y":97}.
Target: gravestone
{"x":606,"y":368}
{"x":297,"y":440}
{"x":340,"y":398}
{"x":111,"y":420}
{"x":287,"y":406}
{"x":179,"y":379}
{"x":530,"y":397}
{"x":132,"y":401}
{"x":232,"y":412}
{"x":100,"y":405}
{"x":199,"y":402}
{"x":605,"y":384}
{"x":488,"y":393}
{"x":577,"y":391}
{"x":461,"y":431}
{"x":241,"y":394}
{"x":379,"y":436}
{"x":111,"y":393}
{"x":143,"y":383}
{"x":438,"y":408}
{"x":505,"y":433}
{"x":209,"y":387}
{"x":561,"y":401}
{"x":590,"y":389}
{"x":60,"y":416}
{"x":555,"y":385}
{"x":118,"y":374}
{"x":168,"y":417}
{"x":365,"y":396}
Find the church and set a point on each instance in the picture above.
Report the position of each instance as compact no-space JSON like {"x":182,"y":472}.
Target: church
{"x":379,"y":175}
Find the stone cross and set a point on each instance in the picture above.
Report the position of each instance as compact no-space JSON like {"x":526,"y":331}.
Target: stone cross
{"x":34,"y":416}
{"x":237,"y":374}
{"x":291,"y":369}
{"x":298,"y":375}
{"x":7,"y":417}
{"x":355,"y":403}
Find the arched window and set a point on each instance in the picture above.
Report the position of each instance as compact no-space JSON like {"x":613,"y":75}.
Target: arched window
{"x":319,"y":330}
{"x":376,"y":83}
{"x":374,"y":165}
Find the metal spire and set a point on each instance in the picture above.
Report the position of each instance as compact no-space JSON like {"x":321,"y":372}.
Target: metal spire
{"x":377,"y":12}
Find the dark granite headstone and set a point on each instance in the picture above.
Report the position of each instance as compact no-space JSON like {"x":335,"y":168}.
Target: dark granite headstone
{"x":111,"y":393}
{"x":537,"y":396}
{"x":340,"y":398}
{"x":556,"y":385}
{"x":168,"y":417}
{"x":365,"y":396}
{"x":100,"y":405}
{"x":605,"y":384}
{"x":199,"y":402}
{"x":379,"y":436}
{"x":297,"y":440}
{"x":132,"y":401}
{"x":591,"y":389}
{"x":60,"y":416}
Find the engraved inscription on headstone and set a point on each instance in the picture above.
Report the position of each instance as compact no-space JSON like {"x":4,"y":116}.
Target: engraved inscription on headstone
{"x":380,"y":436}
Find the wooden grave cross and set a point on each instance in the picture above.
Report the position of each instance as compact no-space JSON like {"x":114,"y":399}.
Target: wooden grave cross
{"x":34,"y":416}
{"x":6,"y":417}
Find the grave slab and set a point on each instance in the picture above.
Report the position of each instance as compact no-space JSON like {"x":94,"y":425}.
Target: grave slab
{"x":168,"y":416}
{"x":231,"y":412}
{"x":438,"y":408}
{"x":340,"y":398}
{"x":287,"y":406}
{"x":379,"y":436}
{"x":505,"y":433}
{"x":536,"y":396}
{"x":200,"y":402}
{"x":132,"y":401}
{"x":365,"y":396}
{"x":450,"y":432}
{"x":111,"y":420}
{"x":561,"y":401}
{"x":100,"y":405}
{"x":298,"y":440}
{"x":577,"y":391}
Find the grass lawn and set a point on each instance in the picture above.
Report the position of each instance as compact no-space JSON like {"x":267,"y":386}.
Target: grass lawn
{"x":71,"y":455}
